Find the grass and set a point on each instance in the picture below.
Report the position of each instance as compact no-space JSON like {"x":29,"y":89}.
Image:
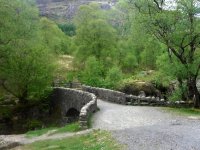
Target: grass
{"x":73,"y":127}
{"x":184,"y":111}
{"x":96,"y":140}
{"x":89,"y":121}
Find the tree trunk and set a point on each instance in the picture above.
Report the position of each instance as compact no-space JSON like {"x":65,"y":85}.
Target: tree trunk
{"x":183,"y":94}
{"x":193,"y":92}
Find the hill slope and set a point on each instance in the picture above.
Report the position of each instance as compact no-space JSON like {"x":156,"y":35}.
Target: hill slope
{"x":66,"y":9}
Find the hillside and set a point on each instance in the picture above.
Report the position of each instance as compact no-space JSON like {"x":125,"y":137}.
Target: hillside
{"x":66,"y":9}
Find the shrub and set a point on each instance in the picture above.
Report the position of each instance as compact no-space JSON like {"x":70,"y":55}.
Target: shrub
{"x":93,"y":73}
{"x":68,"y":28}
{"x":113,"y":78}
{"x":178,"y":94}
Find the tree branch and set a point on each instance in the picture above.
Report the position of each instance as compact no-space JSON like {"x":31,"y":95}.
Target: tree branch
{"x":157,"y":4}
{"x":7,"y":89}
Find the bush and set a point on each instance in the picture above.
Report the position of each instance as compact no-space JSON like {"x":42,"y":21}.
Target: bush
{"x":178,"y":94}
{"x":68,"y":28}
{"x":93,"y":73}
{"x":113,"y":78}
{"x":129,"y":63}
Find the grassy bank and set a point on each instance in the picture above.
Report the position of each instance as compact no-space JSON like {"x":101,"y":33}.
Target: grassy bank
{"x":74,"y":127}
{"x":96,"y":140}
{"x":184,"y":111}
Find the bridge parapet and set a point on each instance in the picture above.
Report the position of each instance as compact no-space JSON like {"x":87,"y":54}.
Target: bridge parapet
{"x":69,"y":104}
{"x":106,"y":94}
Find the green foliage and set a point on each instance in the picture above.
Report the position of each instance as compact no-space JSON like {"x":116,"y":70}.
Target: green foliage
{"x":184,"y":111}
{"x":178,"y":29}
{"x":28,"y":77}
{"x":71,"y":76}
{"x":129,"y":63}
{"x":180,"y":93}
{"x":95,"y":37}
{"x":127,"y":57}
{"x":54,"y":38}
{"x":27,"y":54}
{"x":113,"y":78}
{"x":95,"y":140}
{"x":121,"y":19}
{"x":152,"y":49}
{"x":172,"y":68}
{"x":176,"y":95}
{"x":68,"y":28}
{"x":93,"y":73}
{"x":35,"y":133}
{"x":19,"y":23}
{"x":73,"y":127}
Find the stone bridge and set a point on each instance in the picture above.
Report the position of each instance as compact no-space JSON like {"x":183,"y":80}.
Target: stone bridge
{"x":70,"y":105}
{"x":125,"y":99}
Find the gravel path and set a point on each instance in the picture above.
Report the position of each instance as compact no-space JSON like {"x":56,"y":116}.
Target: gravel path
{"x":148,"y":128}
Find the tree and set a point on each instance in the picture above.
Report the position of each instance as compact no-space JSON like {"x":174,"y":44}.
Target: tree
{"x":68,"y":28}
{"x":27,"y":66}
{"x":152,"y":49}
{"x":95,"y":37}
{"x":179,"y":29}
{"x":93,"y":74}
{"x":113,"y":78}
{"x":16,"y":24}
{"x":173,"y":70}
{"x":121,"y":17}
{"x":128,"y":60}
{"x":54,"y":38}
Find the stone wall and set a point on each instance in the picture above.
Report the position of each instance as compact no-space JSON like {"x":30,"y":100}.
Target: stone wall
{"x":86,"y":110}
{"x":142,"y":100}
{"x":106,"y":94}
{"x":125,"y":99}
{"x":64,"y":99}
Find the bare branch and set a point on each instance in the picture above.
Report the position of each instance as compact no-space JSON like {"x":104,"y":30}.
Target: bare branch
{"x":157,"y":4}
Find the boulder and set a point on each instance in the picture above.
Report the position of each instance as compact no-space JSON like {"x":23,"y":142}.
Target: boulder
{"x":135,"y":88}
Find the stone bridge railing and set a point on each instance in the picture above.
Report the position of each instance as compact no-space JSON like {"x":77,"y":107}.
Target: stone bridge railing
{"x":122,"y":98}
{"x":143,"y":100}
{"x":72,"y":103}
{"x":125,"y":99}
{"x":106,"y":94}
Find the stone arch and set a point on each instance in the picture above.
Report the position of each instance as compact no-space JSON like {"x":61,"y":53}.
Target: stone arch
{"x":72,"y":115}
